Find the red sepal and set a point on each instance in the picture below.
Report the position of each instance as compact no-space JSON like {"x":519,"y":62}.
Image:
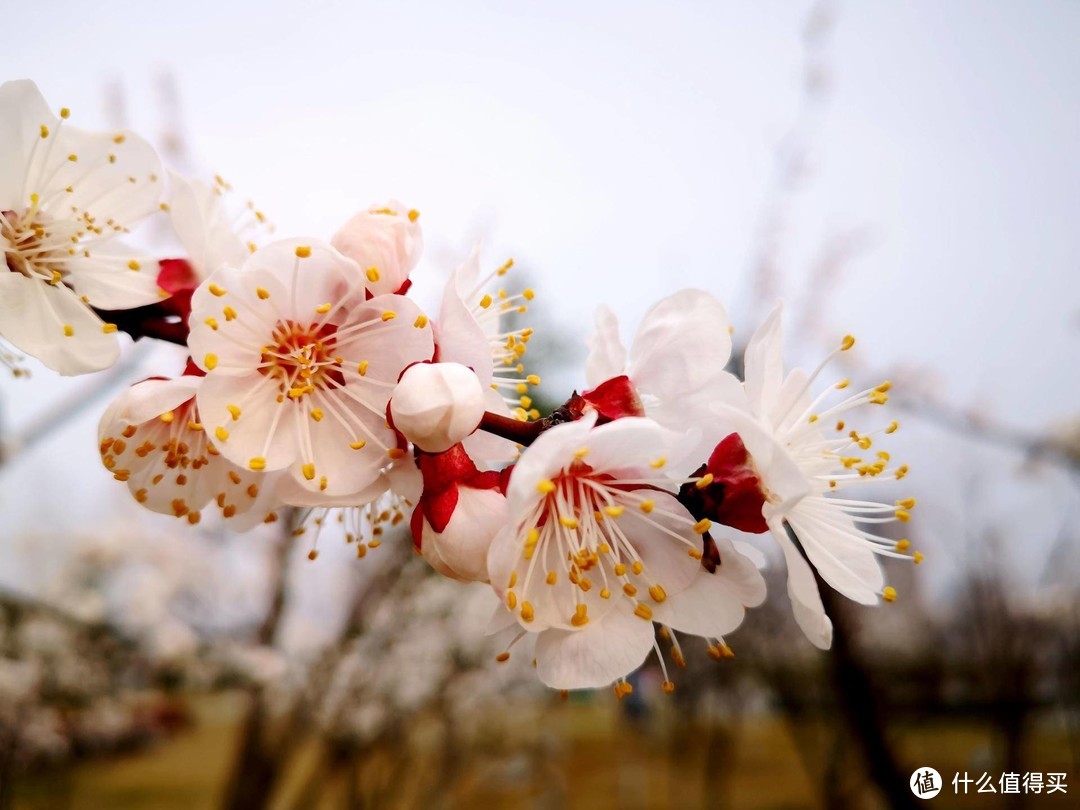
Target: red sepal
{"x":444,"y":473}
{"x":735,"y":496}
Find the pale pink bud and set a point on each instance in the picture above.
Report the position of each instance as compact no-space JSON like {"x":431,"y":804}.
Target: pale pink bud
{"x":436,"y":405}
{"x":386,"y":242}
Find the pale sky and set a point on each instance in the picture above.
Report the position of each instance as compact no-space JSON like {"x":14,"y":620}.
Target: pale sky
{"x":622,"y":150}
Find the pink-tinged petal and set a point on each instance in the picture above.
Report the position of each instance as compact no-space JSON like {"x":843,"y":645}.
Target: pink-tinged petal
{"x":23,"y":111}
{"x":202,"y":224}
{"x":459,"y":335}
{"x":546,"y":456}
{"x":151,"y":398}
{"x":230,"y":323}
{"x":322,"y":276}
{"x":607,"y":355}
{"x":386,"y":239}
{"x":501,"y":619}
{"x":843,"y":558}
{"x":803,"y":591}
{"x":596,"y":655}
{"x":752,"y":553}
{"x":49,"y":322}
{"x":463,"y":547}
{"x":115,"y":276}
{"x":290,"y":492}
{"x":336,"y":468}
{"x":399,"y":335}
{"x":764,"y":366}
{"x":265,"y":429}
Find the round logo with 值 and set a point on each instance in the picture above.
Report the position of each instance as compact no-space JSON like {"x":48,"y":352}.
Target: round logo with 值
{"x":925,"y":783}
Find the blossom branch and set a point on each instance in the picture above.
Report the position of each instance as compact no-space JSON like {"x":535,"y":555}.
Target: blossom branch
{"x":524,"y":433}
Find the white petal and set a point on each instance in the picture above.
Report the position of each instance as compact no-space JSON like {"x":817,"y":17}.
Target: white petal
{"x":201,"y":222}
{"x":324,"y":276}
{"x":289,"y":491}
{"x":33,"y":317}
{"x":597,"y":655}
{"x":803,"y":591}
{"x":682,"y":346}
{"x":23,"y":111}
{"x":236,"y":342}
{"x":479,"y":515}
{"x":106,"y":278}
{"x":665,"y":558}
{"x":460,"y":337}
{"x":845,"y":560}
{"x":764,"y":366}
{"x":779,"y":472}
{"x":607,"y":355}
{"x":150,"y":398}
{"x":714,"y":604}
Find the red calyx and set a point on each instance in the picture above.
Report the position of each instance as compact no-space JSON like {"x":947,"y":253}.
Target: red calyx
{"x":444,"y":474}
{"x":611,"y":400}
{"x":735,"y":496}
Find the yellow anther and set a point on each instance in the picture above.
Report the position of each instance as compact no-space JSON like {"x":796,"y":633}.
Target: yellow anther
{"x":64,"y":112}
{"x":551,"y":578}
{"x":903,"y":515}
{"x":629,"y":589}
{"x":892,"y":428}
{"x":918,"y":557}
{"x":545,"y":487}
{"x":69,"y":330}
{"x":234,"y":411}
{"x":889,"y":594}
{"x":506,"y":266}
{"x":580,"y":617}
{"x":133,"y":265}
{"x":322,"y":309}
{"x":485,"y":302}
{"x":527,"y":612}
{"x":502,"y":657}
{"x":420,"y":322}
{"x":847,"y":342}
{"x":568,"y":522}
{"x":901,"y":471}
{"x":210,"y":361}
{"x":604,"y":548}
{"x":395,"y":453}
{"x":702,"y":526}
{"x":258,"y":463}
{"x":878,"y":398}
{"x":613,"y":511}
{"x":221,"y":434}
{"x":73,"y":158}
{"x":657,"y":463}
{"x":413,"y":215}
{"x":513,"y":579}
{"x":357,"y":445}
{"x":108,"y":328}
{"x":303,"y":251}
{"x":620,"y":569}
{"x":694,"y":553}
{"x":44,"y":131}
{"x":884,"y":387}
{"x":511,"y":600}
{"x":216,"y":290}
{"x":643,"y":611}
{"x":528,"y":294}
{"x":906,"y":503}
{"x":605,"y":593}
{"x":362,"y":368}
{"x":532,"y":379}
{"x":813,"y":418}
{"x":704,"y":481}
{"x":229,"y":313}
{"x":212,"y":323}
{"x":309,"y":471}
{"x":389,"y":315}
{"x":844,"y":383}
{"x":657,"y":593}
{"x":637,"y":567}
{"x":167,"y":417}
{"x":647,"y":506}
{"x":262,"y":292}
{"x":372,"y":274}
{"x":521,"y":388}
{"x":581,"y":452}
{"x":903,"y":545}
{"x":526,"y":402}
{"x":317,"y":414}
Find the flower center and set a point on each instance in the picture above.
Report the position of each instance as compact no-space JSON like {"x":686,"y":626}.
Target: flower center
{"x":301,"y":357}
{"x":32,"y":247}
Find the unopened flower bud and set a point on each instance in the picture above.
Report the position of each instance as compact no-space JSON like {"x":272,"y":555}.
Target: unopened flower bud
{"x":460,"y":550}
{"x":436,"y":405}
{"x":386,"y":242}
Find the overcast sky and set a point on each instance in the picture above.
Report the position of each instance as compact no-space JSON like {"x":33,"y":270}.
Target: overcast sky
{"x":621,"y":150}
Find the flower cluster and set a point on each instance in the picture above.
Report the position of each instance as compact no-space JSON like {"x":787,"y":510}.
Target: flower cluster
{"x":313,"y":381}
